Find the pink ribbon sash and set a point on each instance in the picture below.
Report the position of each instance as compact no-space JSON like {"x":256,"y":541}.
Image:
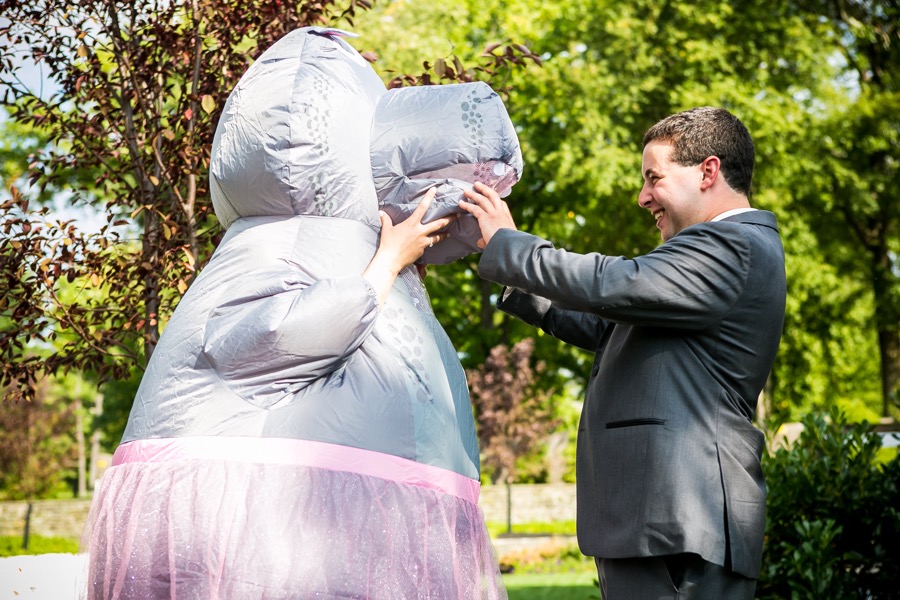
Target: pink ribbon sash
{"x":282,"y":451}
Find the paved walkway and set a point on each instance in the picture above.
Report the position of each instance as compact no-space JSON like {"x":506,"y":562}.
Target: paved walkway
{"x":56,"y":576}
{"x":40,"y":577}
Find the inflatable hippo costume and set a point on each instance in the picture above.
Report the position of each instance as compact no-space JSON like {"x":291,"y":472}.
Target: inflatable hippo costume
{"x":291,"y":438}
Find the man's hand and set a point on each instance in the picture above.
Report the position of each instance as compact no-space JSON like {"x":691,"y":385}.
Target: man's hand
{"x":491,"y":211}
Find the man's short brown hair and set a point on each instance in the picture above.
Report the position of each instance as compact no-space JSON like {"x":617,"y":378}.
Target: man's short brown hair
{"x":706,"y":131}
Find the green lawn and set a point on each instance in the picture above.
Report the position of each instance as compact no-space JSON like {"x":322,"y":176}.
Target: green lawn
{"x":11,"y":545}
{"x":556,"y":527}
{"x":520,"y":586}
{"x":554,"y":586}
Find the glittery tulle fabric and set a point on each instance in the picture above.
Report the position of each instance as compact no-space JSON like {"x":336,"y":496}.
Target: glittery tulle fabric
{"x":193,"y":529}
{"x":222,"y":529}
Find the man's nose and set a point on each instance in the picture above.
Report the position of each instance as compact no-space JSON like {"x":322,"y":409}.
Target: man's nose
{"x":644,"y":197}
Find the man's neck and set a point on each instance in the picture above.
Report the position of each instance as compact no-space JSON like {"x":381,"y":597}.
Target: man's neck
{"x":724,"y":201}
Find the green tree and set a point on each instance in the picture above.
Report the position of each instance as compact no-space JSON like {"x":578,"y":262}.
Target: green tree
{"x":513,"y":415}
{"x":127,"y":133}
{"x":611,"y":69}
{"x":38,"y":455}
{"x":138,"y":85}
{"x":825,"y":359}
{"x":848,"y":192}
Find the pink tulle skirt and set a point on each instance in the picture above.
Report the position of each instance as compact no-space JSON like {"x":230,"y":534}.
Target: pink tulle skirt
{"x":227,"y":529}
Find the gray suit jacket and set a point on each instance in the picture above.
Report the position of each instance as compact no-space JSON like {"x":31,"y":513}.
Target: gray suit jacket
{"x":684,"y":337}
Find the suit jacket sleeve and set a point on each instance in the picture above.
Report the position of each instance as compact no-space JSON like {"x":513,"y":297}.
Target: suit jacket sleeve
{"x":572,"y":327}
{"x":690,"y":282}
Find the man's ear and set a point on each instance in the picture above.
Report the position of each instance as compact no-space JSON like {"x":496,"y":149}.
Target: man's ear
{"x":709,"y":171}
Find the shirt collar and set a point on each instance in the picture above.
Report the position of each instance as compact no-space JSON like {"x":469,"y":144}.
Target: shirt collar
{"x":731,"y":213}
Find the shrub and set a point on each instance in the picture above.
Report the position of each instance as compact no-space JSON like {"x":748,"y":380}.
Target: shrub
{"x":833,"y":526}
{"x":551,"y":557}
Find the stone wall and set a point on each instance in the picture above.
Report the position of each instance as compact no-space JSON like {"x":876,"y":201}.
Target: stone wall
{"x":535,"y":503}
{"x":541,"y":503}
{"x":49,"y":518}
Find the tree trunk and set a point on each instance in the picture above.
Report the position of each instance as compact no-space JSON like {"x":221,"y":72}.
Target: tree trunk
{"x":487,"y":309}
{"x":26,"y":535}
{"x":508,"y":506}
{"x":764,"y":403}
{"x":887,"y":314}
{"x":95,"y":442}
{"x":82,"y":454}
{"x":889,"y":349}
{"x":151,"y":283}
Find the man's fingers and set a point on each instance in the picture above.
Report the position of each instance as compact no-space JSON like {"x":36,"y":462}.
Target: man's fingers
{"x":476,"y":198}
{"x":468,"y":207}
{"x":484,"y":197}
{"x":488,"y":192}
{"x":476,"y":205}
{"x":481,"y":187}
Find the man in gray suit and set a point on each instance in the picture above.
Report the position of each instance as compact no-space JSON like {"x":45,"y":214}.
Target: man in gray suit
{"x":671,"y":496}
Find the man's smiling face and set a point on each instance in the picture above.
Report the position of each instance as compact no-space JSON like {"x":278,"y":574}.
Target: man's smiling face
{"x":671,"y":192}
